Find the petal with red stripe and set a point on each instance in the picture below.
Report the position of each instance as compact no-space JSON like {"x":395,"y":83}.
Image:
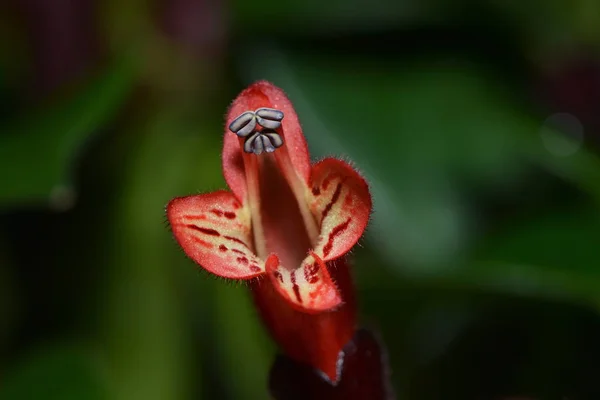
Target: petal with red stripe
{"x":308,"y":288}
{"x":341,"y":204}
{"x":215,"y":231}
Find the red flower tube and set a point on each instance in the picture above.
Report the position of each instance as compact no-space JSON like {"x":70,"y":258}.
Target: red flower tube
{"x":285,"y":227}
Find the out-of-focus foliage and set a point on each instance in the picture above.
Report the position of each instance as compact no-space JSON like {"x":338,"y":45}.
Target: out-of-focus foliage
{"x":58,"y":373}
{"x":475,"y":123}
{"x":36,"y":150}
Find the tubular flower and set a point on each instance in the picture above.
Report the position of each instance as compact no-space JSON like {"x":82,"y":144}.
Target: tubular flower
{"x":286,"y":221}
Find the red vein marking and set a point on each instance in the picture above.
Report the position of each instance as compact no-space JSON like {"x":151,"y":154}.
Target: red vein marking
{"x":334,"y":199}
{"x":223,"y":248}
{"x":237,"y":251}
{"x":295,"y":286}
{"x":310,"y":272}
{"x":316,"y":191}
{"x":255,"y":268}
{"x":234,"y":239}
{"x":218,"y":213}
{"x":229,"y":215}
{"x":202,"y":242}
{"x":242,"y":260}
{"x":278,"y":275}
{"x":332,"y":235}
{"x":196,"y":217}
{"x":207,"y":231}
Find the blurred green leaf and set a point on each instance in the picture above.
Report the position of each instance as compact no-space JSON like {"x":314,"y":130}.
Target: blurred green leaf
{"x":55,"y":373}
{"x":554,"y":255}
{"x":36,"y":152}
{"x":567,"y":240}
{"x":480,"y":275}
{"x":582,"y":168}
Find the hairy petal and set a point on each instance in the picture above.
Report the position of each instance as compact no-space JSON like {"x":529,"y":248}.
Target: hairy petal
{"x":308,"y":288}
{"x":214,"y":230}
{"x":314,"y":339}
{"x":258,"y":95}
{"x":340,"y":202}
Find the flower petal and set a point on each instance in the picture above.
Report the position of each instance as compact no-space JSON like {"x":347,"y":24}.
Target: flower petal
{"x":308,"y":288}
{"x":263,"y":94}
{"x":341,"y":204}
{"x":214,"y":230}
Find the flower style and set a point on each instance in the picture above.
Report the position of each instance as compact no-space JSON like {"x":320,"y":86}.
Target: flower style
{"x":286,"y":221}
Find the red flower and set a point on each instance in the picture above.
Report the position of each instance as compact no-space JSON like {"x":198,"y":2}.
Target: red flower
{"x":284,"y":219}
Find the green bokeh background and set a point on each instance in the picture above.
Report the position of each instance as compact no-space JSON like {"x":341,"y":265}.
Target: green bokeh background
{"x":479,"y":269}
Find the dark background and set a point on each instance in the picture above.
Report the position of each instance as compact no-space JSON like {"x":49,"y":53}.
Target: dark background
{"x":477,"y":124}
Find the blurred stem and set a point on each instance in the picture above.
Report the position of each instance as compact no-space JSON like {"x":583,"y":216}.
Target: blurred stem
{"x":245,"y":344}
{"x":145,"y":327}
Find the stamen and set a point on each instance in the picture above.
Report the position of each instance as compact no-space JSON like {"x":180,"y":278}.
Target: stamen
{"x":270,"y":114}
{"x":249,"y":143}
{"x":267,"y":123}
{"x":274,"y":138}
{"x":259,"y":141}
{"x":269,"y":118}
{"x":257,"y":144}
{"x":268,"y":143}
{"x":244,"y":125}
{"x":266,"y":140}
